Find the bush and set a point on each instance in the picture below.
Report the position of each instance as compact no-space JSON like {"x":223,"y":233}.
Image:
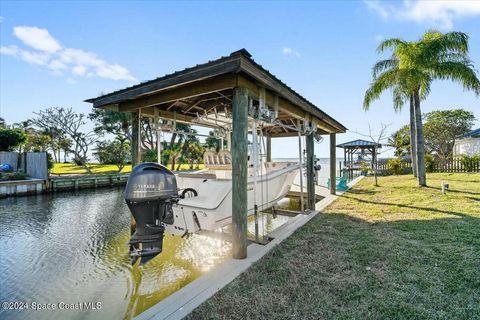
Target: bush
{"x":430,"y":163}
{"x":50,"y":162}
{"x":365,"y":168}
{"x":11,"y":138}
{"x":10,"y":176}
{"x":395,"y":166}
{"x":113,"y":152}
{"x":470,"y":163}
{"x":80,"y":161}
{"x":150,"y":155}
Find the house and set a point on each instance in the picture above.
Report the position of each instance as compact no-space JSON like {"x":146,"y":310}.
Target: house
{"x":468,"y":144}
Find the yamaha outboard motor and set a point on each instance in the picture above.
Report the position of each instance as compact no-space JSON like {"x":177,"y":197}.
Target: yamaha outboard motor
{"x":151,"y":190}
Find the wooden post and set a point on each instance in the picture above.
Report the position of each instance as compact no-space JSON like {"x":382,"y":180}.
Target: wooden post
{"x":300,"y":159}
{"x":333,"y":163}
{"x":135,"y":138}
{"x":310,"y":172}
{"x":159,"y":135}
{"x":269,"y":148}
{"x":239,"y":172}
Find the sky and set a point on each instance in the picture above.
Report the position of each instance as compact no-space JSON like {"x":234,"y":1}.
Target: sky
{"x":59,"y":53}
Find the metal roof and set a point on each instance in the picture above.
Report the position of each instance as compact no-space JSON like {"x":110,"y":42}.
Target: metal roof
{"x":225,"y":64}
{"x":359,"y":143}
{"x":472,"y":134}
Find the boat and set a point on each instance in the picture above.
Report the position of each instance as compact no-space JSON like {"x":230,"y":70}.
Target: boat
{"x":186,"y":203}
{"x":206,"y":202}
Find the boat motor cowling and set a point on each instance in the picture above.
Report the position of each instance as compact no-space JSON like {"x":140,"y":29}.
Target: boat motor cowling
{"x":151,"y":190}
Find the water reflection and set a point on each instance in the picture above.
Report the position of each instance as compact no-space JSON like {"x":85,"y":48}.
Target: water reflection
{"x":71,"y":247}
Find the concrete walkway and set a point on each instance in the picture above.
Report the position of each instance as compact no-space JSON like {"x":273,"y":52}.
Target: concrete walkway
{"x":183,"y":301}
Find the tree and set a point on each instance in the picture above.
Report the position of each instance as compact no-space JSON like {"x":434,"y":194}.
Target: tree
{"x":11,"y":139}
{"x":37,"y":141}
{"x":120,"y":125}
{"x":116,"y":123}
{"x":2,"y":123}
{"x":113,"y":152}
{"x":212,"y":142}
{"x":400,"y":140}
{"x":378,"y":139}
{"x":410,"y":71}
{"x":65,"y":144}
{"x":26,"y":127}
{"x":443,"y":127}
{"x":194,"y":153}
{"x":70,"y":124}
{"x":174,"y":153}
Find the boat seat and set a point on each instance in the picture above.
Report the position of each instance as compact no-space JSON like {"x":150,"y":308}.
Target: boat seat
{"x":218,"y":161}
{"x":225,"y":157}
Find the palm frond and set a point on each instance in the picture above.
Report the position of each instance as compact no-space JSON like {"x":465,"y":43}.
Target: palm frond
{"x":436,"y":44}
{"x":454,"y":57}
{"x":384,"y":65}
{"x":459,"y":72}
{"x":384,"y":81}
{"x":390,"y":44}
{"x":425,"y":86}
{"x":399,"y":98}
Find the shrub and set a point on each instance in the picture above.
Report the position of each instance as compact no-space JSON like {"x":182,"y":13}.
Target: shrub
{"x":470,"y":163}
{"x":50,"y":162}
{"x":365,"y":168}
{"x":430,"y":163}
{"x":150,"y":155}
{"x":395,"y":166}
{"x":10,"y":176}
{"x":11,"y":138}
{"x":113,"y":152}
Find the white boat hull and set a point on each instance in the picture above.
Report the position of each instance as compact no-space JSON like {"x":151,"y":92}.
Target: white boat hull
{"x":212,"y":208}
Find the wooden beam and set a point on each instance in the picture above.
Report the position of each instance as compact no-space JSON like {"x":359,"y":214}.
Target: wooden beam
{"x":295,"y":111}
{"x":333,"y":162}
{"x":239,"y":173}
{"x":310,"y":172}
{"x":136,"y":156}
{"x":159,"y":136}
{"x":269,"y":148}
{"x":284,"y":134}
{"x":188,"y":90}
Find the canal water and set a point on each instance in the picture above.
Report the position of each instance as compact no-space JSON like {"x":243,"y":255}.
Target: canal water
{"x":69,"y":248}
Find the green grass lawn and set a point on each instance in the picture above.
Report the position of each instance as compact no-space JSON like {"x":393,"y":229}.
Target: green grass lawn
{"x":69,"y":168}
{"x":390,"y":252}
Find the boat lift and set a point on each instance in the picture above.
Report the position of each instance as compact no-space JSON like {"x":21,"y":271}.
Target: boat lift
{"x":217,"y":95}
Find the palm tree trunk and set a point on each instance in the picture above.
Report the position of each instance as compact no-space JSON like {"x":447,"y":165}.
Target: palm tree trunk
{"x":413,"y":149}
{"x":422,"y":179}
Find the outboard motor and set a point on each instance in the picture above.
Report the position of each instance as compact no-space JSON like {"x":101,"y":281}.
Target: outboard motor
{"x":151,"y":190}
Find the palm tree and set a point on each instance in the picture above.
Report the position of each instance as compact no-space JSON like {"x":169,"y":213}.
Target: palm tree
{"x":411,"y":69}
{"x":2,"y":123}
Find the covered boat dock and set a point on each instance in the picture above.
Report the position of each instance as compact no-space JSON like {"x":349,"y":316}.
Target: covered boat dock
{"x":222,"y":94}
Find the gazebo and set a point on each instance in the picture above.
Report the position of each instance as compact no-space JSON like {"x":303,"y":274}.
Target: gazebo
{"x":222,"y":94}
{"x":357,"y":151}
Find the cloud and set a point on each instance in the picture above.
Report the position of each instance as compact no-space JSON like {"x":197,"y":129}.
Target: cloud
{"x":378,"y":8}
{"x":441,"y":13}
{"x":71,"y":81}
{"x":48,"y":53}
{"x":37,"y":38}
{"x":290,"y":52}
{"x":379,"y":37}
